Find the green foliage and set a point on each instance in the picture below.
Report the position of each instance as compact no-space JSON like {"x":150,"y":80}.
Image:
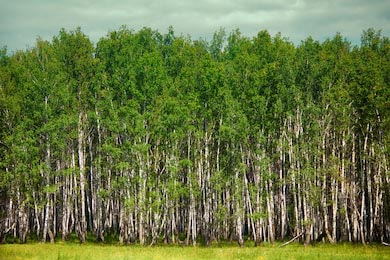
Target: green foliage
{"x":164,"y":123}
{"x":104,"y":194}
{"x":52,"y":189}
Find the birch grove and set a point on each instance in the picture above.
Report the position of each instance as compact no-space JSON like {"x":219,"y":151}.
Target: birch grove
{"x":148,"y":138}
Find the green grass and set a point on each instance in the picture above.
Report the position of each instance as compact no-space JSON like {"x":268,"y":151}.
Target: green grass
{"x":73,"y":251}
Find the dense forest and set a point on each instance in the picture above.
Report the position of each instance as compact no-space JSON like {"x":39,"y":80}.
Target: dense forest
{"x":157,"y":138}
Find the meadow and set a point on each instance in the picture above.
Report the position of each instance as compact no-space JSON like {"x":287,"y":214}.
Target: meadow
{"x":93,"y":251}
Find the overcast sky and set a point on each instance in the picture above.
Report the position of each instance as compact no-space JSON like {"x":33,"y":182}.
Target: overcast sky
{"x":21,"y":21}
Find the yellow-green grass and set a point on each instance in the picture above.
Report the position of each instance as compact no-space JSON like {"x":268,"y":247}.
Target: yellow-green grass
{"x":93,"y":251}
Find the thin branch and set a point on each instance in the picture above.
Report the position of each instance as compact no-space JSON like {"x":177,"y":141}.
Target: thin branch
{"x":292,"y":240}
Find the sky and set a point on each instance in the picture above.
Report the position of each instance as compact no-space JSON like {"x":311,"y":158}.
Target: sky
{"x":22,"y":21}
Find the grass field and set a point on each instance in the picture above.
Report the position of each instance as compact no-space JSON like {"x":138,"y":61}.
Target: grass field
{"x":70,"y":251}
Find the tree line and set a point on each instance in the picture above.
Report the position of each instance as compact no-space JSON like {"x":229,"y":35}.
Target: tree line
{"x":149,"y":138}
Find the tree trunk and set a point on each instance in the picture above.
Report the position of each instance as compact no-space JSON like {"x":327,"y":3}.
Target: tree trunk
{"x":238,"y":212}
{"x":81,"y":153}
{"x":334,"y":188}
{"x":355,"y":213}
{"x":270,"y":210}
{"x":22,"y":218}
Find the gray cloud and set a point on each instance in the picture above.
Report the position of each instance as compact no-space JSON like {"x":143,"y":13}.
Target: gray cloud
{"x":21,"y":21}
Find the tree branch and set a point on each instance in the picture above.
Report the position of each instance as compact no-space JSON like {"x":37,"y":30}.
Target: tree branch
{"x":292,"y":240}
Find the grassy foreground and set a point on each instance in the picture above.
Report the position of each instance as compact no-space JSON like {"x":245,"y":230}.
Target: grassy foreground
{"x":68,"y":251}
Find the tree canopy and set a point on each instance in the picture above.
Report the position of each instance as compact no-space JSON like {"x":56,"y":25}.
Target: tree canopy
{"x":150,"y":137}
